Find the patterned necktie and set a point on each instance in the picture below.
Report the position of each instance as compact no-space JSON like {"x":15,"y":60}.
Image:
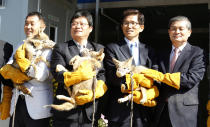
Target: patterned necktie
{"x":173,"y":61}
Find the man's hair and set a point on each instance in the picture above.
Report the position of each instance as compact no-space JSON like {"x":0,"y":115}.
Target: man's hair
{"x":129,"y":12}
{"x":38,"y":14}
{"x":85,"y":14}
{"x":180,"y":18}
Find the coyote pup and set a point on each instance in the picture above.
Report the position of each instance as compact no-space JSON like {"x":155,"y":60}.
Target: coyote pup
{"x":95,"y":59}
{"x":126,"y":67}
{"x":33,"y":50}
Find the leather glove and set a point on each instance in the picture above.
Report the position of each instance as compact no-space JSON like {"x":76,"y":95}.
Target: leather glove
{"x":86,"y":96}
{"x":172,"y":79}
{"x":21,"y":60}
{"x":150,"y":103}
{"x":208,"y":109}
{"x":6,"y":101}
{"x":17,"y":77}
{"x":139,"y":79}
{"x":84,"y":72}
{"x":150,"y":95}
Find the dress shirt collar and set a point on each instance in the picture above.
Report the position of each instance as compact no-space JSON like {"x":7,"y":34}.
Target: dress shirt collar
{"x":130,"y":42}
{"x":79,"y":46}
{"x":180,"y":47}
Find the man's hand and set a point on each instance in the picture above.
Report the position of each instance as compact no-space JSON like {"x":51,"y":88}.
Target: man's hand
{"x":172,"y":79}
{"x":21,"y":60}
{"x":6,"y":101}
{"x":17,"y":77}
{"x":139,"y":80}
{"x":86,"y":96}
{"x":84,"y":72}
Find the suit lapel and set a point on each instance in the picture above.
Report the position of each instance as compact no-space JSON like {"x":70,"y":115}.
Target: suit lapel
{"x":166,"y":60}
{"x":143,"y":54}
{"x":90,"y":46}
{"x":125,"y":50}
{"x":73,"y":49}
{"x":182,"y":57}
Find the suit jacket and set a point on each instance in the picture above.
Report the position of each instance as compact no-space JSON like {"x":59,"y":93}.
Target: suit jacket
{"x":41,"y":90}
{"x":121,"y":112}
{"x":62,"y":54}
{"x":5,"y":53}
{"x":182,"y":103}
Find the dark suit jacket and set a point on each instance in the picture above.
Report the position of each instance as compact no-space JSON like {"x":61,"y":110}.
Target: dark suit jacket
{"x":115,"y":111}
{"x":62,"y":54}
{"x":182,"y":103}
{"x":5,"y":53}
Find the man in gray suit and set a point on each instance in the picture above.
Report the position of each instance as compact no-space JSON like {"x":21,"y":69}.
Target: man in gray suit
{"x":28,"y":111}
{"x":182,"y":68}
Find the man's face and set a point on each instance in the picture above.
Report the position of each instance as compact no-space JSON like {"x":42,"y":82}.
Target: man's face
{"x":80,"y":28}
{"x":32,"y":26}
{"x":131,"y":27}
{"x":179,"y":33}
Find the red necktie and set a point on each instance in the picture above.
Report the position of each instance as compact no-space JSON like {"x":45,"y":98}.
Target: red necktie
{"x":173,"y":61}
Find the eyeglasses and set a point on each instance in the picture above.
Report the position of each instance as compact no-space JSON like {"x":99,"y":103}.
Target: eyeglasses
{"x":74,"y":24}
{"x":130,"y":23}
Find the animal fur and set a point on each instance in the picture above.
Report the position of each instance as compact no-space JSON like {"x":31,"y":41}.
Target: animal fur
{"x":94,"y":59}
{"x":34,"y":48}
{"x":126,"y":67}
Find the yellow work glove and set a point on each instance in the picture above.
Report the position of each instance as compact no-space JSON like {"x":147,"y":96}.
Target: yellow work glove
{"x":17,"y":77}
{"x":172,"y":79}
{"x":20,"y":57}
{"x":151,"y":94}
{"x":208,"y":109}
{"x":139,"y":79}
{"x":6,"y":101}
{"x":84,"y":72}
{"x":150,"y":103}
{"x":86,"y":96}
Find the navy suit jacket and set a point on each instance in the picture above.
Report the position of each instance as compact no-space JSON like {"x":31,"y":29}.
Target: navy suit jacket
{"x":62,"y":54}
{"x":182,"y":103}
{"x":5,"y":53}
{"x":120,"y":51}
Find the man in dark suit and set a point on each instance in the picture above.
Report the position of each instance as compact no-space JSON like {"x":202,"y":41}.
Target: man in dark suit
{"x":119,"y":114}
{"x":81,"y":27}
{"x":182,"y":67}
{"x":5,"y":53}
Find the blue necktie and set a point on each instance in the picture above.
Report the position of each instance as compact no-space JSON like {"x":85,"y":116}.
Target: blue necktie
{"x":133,"y":46}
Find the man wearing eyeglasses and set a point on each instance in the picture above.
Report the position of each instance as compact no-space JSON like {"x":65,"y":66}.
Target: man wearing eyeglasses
{"x":119,"y":114}
{"x":81,"y":116}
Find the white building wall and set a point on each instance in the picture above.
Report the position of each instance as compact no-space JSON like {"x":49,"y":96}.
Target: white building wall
{"x":12,"y":21}
{"x":12,"y":18}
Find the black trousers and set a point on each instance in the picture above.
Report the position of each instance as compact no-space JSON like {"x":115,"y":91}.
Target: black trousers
{"x":136,"y":123}
{"x":80,"y":121}
{"x":22,"y":118}
{"x":164,"y":118}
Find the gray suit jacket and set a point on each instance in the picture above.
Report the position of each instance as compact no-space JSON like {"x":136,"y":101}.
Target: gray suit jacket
{"x":182,"y":103}
{"x":41,"y":90}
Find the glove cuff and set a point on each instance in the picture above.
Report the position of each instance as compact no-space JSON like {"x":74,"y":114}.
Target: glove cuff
{"x":69,"y":80}
{"x":172,"y":80}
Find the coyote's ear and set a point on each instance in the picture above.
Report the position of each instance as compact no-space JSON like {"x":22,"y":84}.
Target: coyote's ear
{"x":100,"y":54}
{"x":116,"y":62}
{"x":101,"y":51}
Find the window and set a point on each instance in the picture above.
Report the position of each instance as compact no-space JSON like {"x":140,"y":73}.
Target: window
{"x":53,"y":33}
{"x":2,"y":3}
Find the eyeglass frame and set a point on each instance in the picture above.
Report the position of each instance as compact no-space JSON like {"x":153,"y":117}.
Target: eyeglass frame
{"x":74,"y":24}
{"x":131,"y":23}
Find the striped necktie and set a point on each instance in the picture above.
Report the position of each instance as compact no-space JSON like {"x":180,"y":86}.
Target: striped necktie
{"x":174,"y":58}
